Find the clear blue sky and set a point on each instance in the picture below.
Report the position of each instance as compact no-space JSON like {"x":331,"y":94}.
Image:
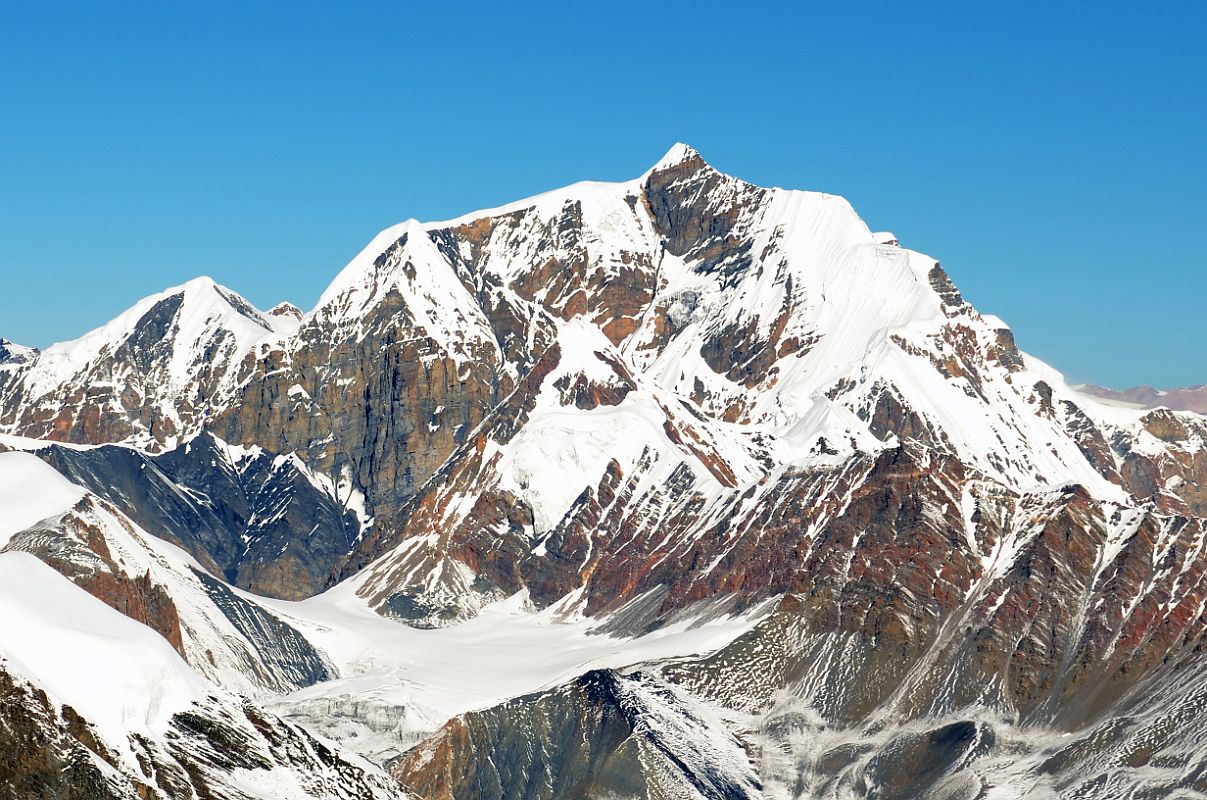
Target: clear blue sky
{"x":1053,"y":156}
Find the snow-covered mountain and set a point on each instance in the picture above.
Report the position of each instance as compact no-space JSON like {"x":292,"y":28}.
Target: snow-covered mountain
{"x":147,"y":377}
{"x":673,"y":487}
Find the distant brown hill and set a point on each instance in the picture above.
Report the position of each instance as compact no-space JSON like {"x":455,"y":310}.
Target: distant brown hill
{"x":1191,"y":398}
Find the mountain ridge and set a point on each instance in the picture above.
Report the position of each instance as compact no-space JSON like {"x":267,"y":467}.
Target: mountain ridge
{"x":1187,"y":398}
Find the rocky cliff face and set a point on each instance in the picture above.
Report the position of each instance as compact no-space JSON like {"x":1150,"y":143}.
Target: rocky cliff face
{"x":50,"y":752}
{"x":630,"y":402}
{"x":761,"y":331}
{"x":239,"y":511}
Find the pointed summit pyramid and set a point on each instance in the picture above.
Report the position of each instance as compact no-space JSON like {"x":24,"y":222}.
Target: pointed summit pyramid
{"x":678,"y":154}
{"x":13,"y":354}
{"x":147,"y":372}
{"x":681,"y":161}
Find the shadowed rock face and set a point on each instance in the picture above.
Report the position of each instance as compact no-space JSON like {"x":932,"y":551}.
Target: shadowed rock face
{"x":279,"y":643}
{"x":386,"y":409}
{"x":700,"y":214}
{"x":262,"y":522}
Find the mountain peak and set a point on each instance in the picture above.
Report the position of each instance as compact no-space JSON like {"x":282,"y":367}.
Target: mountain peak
{"x":200,"y":283}
{"x":285,"y":309}
{"x":679,"y":153}
{"x":13,"y":353}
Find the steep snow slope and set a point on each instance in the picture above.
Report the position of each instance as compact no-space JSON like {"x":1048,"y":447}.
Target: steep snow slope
{"x":30,"y":491}
{"x":200,"y":309}
{"x":121,"y":676}
{"x":232,"y":641}
{"x":126,"y":716}
{"x":96,"y":707}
